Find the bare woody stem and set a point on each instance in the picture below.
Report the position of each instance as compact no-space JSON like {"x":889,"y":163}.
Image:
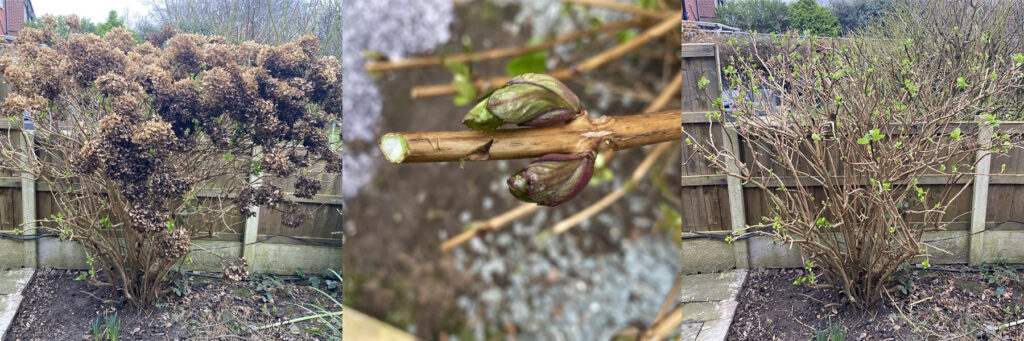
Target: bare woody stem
{"x":663,"y":98}
{"x":664,"y":326}
{"x":584,"y":134}
{"x":495,"y":53}
{"x":587,"y":65}
{"x":492,"y":224}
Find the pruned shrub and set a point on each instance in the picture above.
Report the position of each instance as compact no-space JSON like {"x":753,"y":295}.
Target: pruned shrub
{"x":142,"y":144}
{"x":839,"y":135}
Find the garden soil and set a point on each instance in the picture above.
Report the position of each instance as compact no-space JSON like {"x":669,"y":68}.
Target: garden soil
{"x":58,"y":307}
{"x":959,"y":303}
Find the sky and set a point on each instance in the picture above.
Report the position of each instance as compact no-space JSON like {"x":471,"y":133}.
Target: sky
{"x":95,"y":10}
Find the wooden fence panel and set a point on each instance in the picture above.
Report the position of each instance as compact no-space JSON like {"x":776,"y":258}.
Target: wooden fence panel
{"x":10,"y":208}
{"x":706,"y":207}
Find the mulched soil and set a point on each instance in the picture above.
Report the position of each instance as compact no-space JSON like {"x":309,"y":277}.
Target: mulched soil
{"x":58,"y":307}
{"x":959,"y":303}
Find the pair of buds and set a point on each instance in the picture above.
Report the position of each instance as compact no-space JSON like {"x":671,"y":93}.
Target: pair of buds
{"x":537,"y":100}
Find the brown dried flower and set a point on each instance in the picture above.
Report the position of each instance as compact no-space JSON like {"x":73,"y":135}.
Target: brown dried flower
{"x":236,"y":270}
{"x":73,"y":22}
{"x":173,"y":244}
{"x":306,"y":187}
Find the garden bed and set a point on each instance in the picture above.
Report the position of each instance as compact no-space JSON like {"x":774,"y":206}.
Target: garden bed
{"x":949,"y":303}
{"x":58,"y":307}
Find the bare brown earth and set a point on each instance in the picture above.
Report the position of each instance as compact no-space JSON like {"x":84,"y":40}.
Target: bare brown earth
{"x":956,"y":304}
{"x":58,"y":307}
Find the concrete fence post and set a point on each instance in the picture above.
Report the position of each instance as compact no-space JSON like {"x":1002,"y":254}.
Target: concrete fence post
{"x":28,"y":203}
{"x":979,"y":206}
{"x":737,"y":216}
{"x":252,"y":224}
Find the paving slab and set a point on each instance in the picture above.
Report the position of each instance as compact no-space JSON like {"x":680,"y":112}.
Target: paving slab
{"x":12,"y":285}
{"x":701,"y":311}
{"x":713,"y":287}
{"x":717,"y":330}
{"x":14,"y":281}
{"x":691,"y":331}
{"x":709,"y":304}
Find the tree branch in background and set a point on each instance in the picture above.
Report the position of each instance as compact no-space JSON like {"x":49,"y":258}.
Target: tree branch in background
{"x":627,"y":8}
{"x":484,"y":85}
{"x":269,"y":22}
{"x":495,"y":53}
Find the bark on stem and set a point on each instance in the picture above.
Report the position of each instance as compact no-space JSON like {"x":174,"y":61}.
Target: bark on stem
{"x":587,"y":65}
{"x":495,"y":53}
{"x":581,"y":135}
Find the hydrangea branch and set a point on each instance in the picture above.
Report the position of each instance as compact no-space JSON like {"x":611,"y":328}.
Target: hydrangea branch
{"x":581,"y":135}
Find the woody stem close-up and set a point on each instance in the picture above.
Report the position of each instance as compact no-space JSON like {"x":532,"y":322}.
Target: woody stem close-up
{"x":581,"y":135}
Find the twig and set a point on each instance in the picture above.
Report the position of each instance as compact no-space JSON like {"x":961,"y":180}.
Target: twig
{"x":904,"y":315}
{"x":587,"y":65}
{"x":673,"y":296}
{"x":581,"y":135}
{"x":621,"y":7}
{"x":300,"y":319}
{"x":489,"y":225}
{"x":494,"y":53}
{"x":1005,"y":325}
{"x":667,"y":325}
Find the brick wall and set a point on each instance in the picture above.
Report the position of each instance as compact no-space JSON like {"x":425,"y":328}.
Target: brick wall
{"x":15,"y":16}
{"x":706,"y":8}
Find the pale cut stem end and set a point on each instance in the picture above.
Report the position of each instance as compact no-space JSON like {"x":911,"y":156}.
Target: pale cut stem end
{"x":394,"y":147}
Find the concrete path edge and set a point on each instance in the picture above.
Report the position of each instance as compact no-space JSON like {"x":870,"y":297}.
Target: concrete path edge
{"x":12,"y":285}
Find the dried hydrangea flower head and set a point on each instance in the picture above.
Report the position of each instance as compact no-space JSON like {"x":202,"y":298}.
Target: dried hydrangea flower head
{"x":150,"y":124}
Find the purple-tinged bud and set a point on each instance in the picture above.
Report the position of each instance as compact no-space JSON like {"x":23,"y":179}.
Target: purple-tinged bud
{"x":534,"y":100}
{"x":553,"y":178}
